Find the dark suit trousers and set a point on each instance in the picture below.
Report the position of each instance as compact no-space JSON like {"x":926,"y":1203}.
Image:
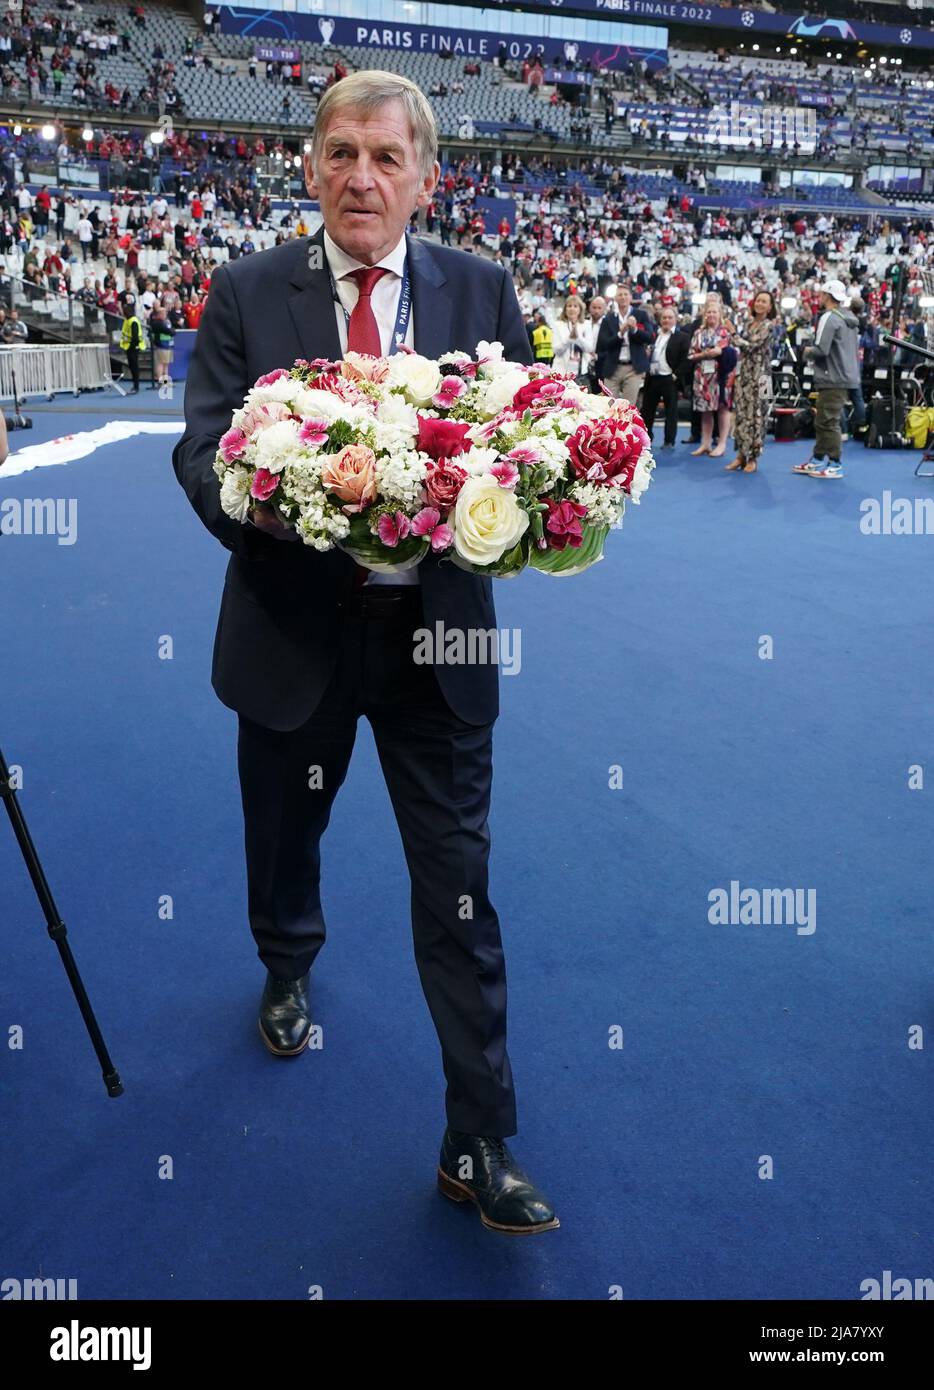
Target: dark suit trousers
{"x":662,"y":389}
{"x":438,"y":772}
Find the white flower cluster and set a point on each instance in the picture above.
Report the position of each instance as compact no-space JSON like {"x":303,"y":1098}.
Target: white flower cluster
{"x":642,"y":476}
{"x":604,"y":505}
{"x":320,"y":525}
{"x":400,"y":477}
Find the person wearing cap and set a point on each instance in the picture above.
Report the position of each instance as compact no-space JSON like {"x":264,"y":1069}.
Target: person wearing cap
{"x":834,"y":353}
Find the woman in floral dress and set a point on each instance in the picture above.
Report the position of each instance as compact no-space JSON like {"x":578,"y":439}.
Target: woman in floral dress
{"x":753,"y":337}
{"x":710,"y":396}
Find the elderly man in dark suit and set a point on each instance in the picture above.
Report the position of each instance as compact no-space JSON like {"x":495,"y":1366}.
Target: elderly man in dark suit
{"x":309,"y":641}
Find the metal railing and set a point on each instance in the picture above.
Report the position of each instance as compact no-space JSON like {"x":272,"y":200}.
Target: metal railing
{"x":45,"y":369}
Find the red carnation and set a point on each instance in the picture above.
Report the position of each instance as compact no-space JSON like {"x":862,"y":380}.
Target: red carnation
{"x":607,"y":451}
{"x":563,"y":524}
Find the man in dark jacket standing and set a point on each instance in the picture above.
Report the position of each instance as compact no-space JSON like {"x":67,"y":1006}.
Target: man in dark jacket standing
{"x":308,"y":641}
{"x":623,"y":346}
{"x":669,"y":355}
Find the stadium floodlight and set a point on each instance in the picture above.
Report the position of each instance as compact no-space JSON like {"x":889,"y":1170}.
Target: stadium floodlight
{"x":48,"y":132}
{"x":87,"y":133}
{"x":883,"y":59}
{"x":926,"y":301}
{"x":17,"y":129}
{"x":839,"y":56}
{"x":278,"y":154}
{"x":307,"y":147}
{"x":157,"y":136}
{"x":792,"y":51}
{"x":755,"y":48}
{"x":789,"y":303}
{"x":297,"y":161}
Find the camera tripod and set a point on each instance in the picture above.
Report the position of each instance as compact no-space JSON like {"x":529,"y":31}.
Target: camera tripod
{"x":56,"y":927}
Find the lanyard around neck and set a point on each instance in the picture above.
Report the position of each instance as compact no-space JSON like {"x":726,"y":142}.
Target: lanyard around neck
{"x":403,"y":312}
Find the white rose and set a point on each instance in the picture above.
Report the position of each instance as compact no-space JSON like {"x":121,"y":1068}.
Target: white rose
{"x":498,"y":393}
{"x":235,"y":493}
{"x":418,"y":377}
{"x":275,"y":447}
{"x":488,"y":521}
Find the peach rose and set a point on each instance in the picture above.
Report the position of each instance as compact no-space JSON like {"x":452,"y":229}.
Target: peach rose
{"x":351,"y":475}
{"x":359,"y":366}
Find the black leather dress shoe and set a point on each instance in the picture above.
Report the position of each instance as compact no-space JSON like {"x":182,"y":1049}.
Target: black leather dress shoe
{"x":285,"y":1015}
{"x":508,"y":1200}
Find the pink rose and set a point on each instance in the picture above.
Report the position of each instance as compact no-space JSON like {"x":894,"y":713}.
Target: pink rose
{"x":260,"y":417}
{"x":442,"y":439}
{"x":360,"y":366}
{"x":444,"y":482}
{"x":607,"y":451}
{"x":264,"y":484}
{"x":351,"y":476}
{"x":233,"y":444}
{"x":544,"y":392}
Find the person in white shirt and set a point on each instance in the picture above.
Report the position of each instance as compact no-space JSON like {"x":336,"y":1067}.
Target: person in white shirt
{"x":574,"y":339}
{"x":669,"y":352}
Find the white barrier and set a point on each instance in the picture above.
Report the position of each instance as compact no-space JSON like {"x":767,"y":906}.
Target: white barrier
{"x":44,"y":370}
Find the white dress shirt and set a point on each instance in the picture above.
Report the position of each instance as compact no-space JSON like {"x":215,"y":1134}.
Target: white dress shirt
{"x":659,"y":365}
{"x":385,"y":304}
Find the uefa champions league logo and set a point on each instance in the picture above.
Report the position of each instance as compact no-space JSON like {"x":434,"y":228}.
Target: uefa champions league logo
{"x":906,"y":36}
{"x":325,"y":29}
{"x":571,"y":51}
{"x":748,"y":19}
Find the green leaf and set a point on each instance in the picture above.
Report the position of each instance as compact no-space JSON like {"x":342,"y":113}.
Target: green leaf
{"x":562,"y":563}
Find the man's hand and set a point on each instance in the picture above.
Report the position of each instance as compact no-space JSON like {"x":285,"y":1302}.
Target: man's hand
{"x":265,"y":519}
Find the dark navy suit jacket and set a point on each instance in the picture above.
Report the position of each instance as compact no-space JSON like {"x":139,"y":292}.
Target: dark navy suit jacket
{"x":279,"y":625}
{"x":609,"y":341}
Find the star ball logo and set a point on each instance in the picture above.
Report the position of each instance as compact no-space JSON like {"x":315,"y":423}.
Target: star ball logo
{"x":748,"y":19}
{"x":906,"y":36}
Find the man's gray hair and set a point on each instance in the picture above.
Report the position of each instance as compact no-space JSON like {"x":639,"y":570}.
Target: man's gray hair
{"x":367,"y":91}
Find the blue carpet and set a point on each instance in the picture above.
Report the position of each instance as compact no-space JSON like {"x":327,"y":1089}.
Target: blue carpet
{"x":741,"y":1043}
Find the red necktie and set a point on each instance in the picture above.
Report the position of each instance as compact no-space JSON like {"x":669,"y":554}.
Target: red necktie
{"x":363,"y":330}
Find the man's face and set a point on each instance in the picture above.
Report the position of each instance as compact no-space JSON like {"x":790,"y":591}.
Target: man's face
{"x":597,"y":308}
{"x":367,"y":180}
{"x":623,"y":302}
{"x":667,"y":320}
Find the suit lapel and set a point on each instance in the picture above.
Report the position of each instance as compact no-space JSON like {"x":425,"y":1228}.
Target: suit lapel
{"x":431,"y":301}
{"x":310,"y":303}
